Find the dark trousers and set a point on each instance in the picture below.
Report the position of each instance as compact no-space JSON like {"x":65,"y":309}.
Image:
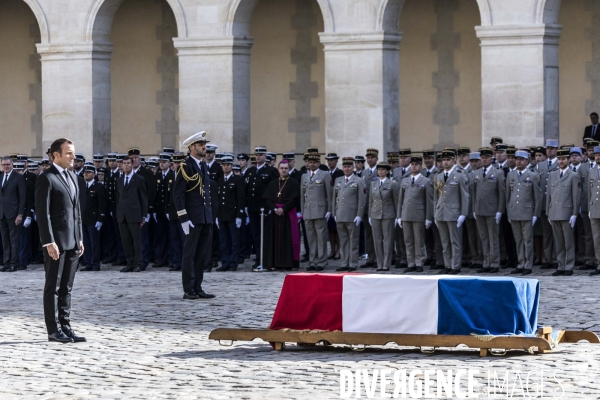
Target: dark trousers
{"x":120,"y":251}
{"x":145,"y":233}
{"x":177,"y":239}
{"x":216,"y":246}
{"x":25,"y":246}
{"x":195,"y":257}
{"x":161,"y":239}
{"x":57,"y":289}
{"x":91,"y":246}
{"x":305,"y":238}
{"x":11,"y":239}
{"x":245,"y":241}
{"x":229,"y":241}
{"x":107,"y":235}
{"x":131,"y":235}
{"x":256,"y":233}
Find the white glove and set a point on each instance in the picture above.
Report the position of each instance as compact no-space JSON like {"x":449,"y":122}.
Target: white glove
{"x":427,"y":224}
{"x":572,"y":221}
{"x":98,"y":225}
{"x":399,"y":222}
{"x":533,"y":221}
{"x":27,"y":222}
{"x":147,"y":218}
{"x":474,"y":216}
{"x":167,"y":215}
{"x":460,"y":221}
{"x":357,"y":221}
{"x":111,"y":214}
{"x":370,"y":223}
{"x":186,"y":227}
{"x":498,"y":217}
{"x":327,"y":215}
{"x":34,"y":217}
{"x":247,"y":220}
{"x":298,"y":215}
{"x":154,"y":216}
{"x":238,"y":222}
{"x":435,"y":221}
{"x":217,"y":221}
{"x":509,"y":222}
{"x":335,"y":219}
{"x":246,"y":209}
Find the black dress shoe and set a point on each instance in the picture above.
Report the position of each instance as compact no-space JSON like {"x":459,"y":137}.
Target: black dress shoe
{"x":222,"y":269}
{"x":59,"y":337}
{"x":444,"y":271}
{"x":209,"y":269}
{"x":4,"y":269}
{"x":127,"y":269}
{"x":120,"y":263}
{"x":547,"y":266}
{"x":482,"y":270}
{"x":558,"y":273}
{"x":410,"y":269}
{"x":427,"y":263}
{"x":535,"y":264}
{"x":351,"y":269}
{"x":454,"y":271}
{"x":21,"y":267}
{"x":336,"y":258}
{"x":203,"y":295}
{"x":494,"y":270}
{"x":87,"y":269}
{"x":160,"y":265}
{"x":11,"y":269}
{"x":175,"y":268}
{"x":311,"y":268}
{"x":419,"y":269}
{"x":516,"y":271}
{"x":304,"y":259}
{"x":527,"y":271}
{"x":190,"y":296}
{"x":568,"y":273}
{"x":69,"y":332}
{"x":331,"y":257}
{"x":318,"y":268}
{"x":340,"y":269}
{"x":137,"y":269}
{"x":595,"y":272}
{"x":231,"y":269}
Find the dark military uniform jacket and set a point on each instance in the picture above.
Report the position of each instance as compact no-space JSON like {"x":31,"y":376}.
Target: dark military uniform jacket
{"x":258,"y":179}
{"x":192,"y":193}
{"x":232,"y":198}
{"x":163,"y":192}
{"x":96,"y":205}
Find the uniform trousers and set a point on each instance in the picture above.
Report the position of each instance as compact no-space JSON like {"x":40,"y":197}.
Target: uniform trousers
{"x":145,"y":231}
{"x":196,"y":254}
{"x":523,"y":233}
{"x":488,"y":232}
{"x":11,"y":239}
{"x":161,"y":239}
{"x":25,"y":250}
{"x":107,"y":234}
{"x":414,"y":236}
{"x":564,"y":240}
{"x":383,"y":238}
{"x":348,"y":251}
{"x":91,"y":245}
{"x":585,"y":244}
{"x":316,"y":230}
{"x":451,"y":238}
{"x":549,"y":251}
{"x":399,"y":245}
{"x":475,"y":250}
{"x":229,"y":243}
{"x":368,"y":233}
{"x":595,"y":224}
{"x":177,"y":239}
{"x":131,"y":235}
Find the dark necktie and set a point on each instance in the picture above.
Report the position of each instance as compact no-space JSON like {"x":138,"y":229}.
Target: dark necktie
{"x":561,"y":174}
{"x":68,"y":181}
{"x":549,"y":163}
{"x":5,"y":179}
{"x":346,"y":179}
{"x":428,"y":173}
{"x":413,"y":180}
{"x":520,"y":174}
{"x":446,"y":177}
{"x":594,"y":130}
{"x":126,"y":181}
{"x":574,"y":169}
{"x":484,"y":172}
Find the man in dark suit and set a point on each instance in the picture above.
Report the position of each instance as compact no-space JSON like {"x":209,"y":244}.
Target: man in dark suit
{"x":59,"y":221}
{"x":13,"y":200}
{"x":93,"y":216}
{"x":164,"y":179}
{"x":132,"y":209}
{"x":149,"y":183}
{"x":232,"y":200}
{"x":592,"y":131}
{"x":191,"y":195}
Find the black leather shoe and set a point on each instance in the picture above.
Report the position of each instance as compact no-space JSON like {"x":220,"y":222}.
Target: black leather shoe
{"x":69,"y":332}
{"x":122,"y":263}
{"x":11,"y":269}
{"x":231,"y":269}
{"x":419,"y":269}
{"x":190,"y":296}
{"x":558,"y":273}
{"x":494,"y":270}
{"x":568,"y":273}
{"x":87,"y":269}
{"x":547,"y":266}
{"x":454,"y":271}
{"x":437,"y":267}
{"x":482,"y":270}
{"x":304,"y":259}
{"x":317,"y":268}
{"x":222,"y":269}
{"x":175,"y":268}
{"x":59,"y":337}
{"x":209,"y":269}
{"x":160,"y":265}
{"x":516,"y":271}
{"x":527,"y":271}
{"x":340,"y":269}
{"x":4,"y":269}
{"x":595,"y":272}
{"x":137,"y":269}
{"x":351,"y":269}
{"x":21,"y":267}
{"x":444,"y":271}
{"x":311,"y":268}
{"x":410,"y":269}
{"x":127,"y":269}
{"x":427,"y":263}
{"x":203,"y":295}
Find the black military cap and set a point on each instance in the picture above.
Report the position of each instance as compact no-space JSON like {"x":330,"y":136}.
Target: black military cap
{"x":417,"y":159}
{"x":540,"y":149}
{"x":168,"y":150}
{"x":89,"y":168}
{"x":428,"y":153}
{"x":385,"y":165}
{"x":448,"y":154}
{"x":496,"y":139}
{"x":359,"y":159}
{"x":463,"y":150}
{"x":404,"y":152}
{"x":133,"y":151}
{"x":486,"y":151}
{"x":332,"y":156}
{"x":236,"y":167}
{"x":290,"y":155}
{"x":563,"y":153}
{"x":165,"y":157}
{"x":178,"y":157}
{"x":243,"y":156}
{"x":101,"y":169}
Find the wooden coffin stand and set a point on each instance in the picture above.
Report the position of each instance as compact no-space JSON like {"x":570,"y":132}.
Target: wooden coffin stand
{"x":487,"y":345}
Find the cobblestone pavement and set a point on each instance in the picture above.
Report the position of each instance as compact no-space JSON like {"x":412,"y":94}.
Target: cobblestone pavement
{"x":144,"y":341}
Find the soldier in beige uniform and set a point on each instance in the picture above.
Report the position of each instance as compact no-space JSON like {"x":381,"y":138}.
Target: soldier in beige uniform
{"x":369,"y":174}
{"x":451,"y":202}
{"x":523,"y":208}
{"x":475,"y":250}
{"x":349,"y":203}
{"x":398,"y":174}
{"x":415,"y":212}
{"x":383,"y":203}
{"x":594,"y":206}
{"x":488,"y":206}
{"x":562,"y":205}
{"x":315,"y":202}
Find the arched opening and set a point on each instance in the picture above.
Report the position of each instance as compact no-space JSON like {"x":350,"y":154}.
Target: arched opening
{"x":287,"y":71}
{"x":20,"y":79}
{"x":579,"y":67}
{"x":440,"y":74}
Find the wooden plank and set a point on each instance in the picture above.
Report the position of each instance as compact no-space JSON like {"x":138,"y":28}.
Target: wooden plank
{"x":484,"y":352}
{"x":575,"y":336}
{"x":379,"y":339}
{"x":545,"y":330}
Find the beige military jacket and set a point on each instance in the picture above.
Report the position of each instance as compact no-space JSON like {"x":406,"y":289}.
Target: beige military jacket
{"x":523,"y":195}
{"x":451,"y":198}
{"x":316,"y":196}
{"x":415,"y":201}
{"x":383,"y":199}
{"x":349,"y":198}
{"x":564,"y":195}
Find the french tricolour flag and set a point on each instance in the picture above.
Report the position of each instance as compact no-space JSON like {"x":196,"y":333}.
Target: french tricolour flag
{"x":408,"y":304}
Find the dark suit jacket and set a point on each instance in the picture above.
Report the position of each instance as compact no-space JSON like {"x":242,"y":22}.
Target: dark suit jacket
{"x":58,"y":214}
{"x":13,"y":197}
{"x":132,"y":201}
{"x":150,"y":188}
{"x":588,"y":132}
{"x":96,"y":206}
{"x":190,"y":204}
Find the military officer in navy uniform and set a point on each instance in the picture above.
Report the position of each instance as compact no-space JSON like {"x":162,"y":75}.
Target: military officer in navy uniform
{"x":231,"y":214}
{"x":175,"y":231}
{"x":93,"y":216}
{"x":191,"y":195}
{"x":258,"y":179}
{"x":114,"y":173}
{"x":164,"y":178}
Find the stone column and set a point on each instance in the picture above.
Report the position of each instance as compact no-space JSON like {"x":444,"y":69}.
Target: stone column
{"x":214,"y":90}
{"x":519,"y":75}
{"x":361,"y":91}
{"x":76,"y":95}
